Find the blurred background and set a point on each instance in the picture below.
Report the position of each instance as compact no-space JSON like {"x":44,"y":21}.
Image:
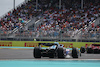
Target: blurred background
{"x":50,"y":20}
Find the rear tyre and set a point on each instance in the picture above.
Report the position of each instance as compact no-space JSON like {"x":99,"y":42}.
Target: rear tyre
{"x":37,"y":52}
{"x":82,"y":49}
{"x":60,"y":53}
{"x":96,"y":51}
{"x":74,"y":53}
{"x":89,"y":50}
{"x":99,"y":51}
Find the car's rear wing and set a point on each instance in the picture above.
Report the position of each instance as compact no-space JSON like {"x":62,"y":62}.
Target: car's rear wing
{"x":46,"y":44}
{"x":95,"y":44}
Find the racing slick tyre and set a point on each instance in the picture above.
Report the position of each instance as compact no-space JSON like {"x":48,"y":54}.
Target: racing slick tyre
{"x":74,"y":53}
{"x":89,"y":50}
{"x":99,"y":51}
{"x":82,"y":49}
{"x":60,"y":53}
{"x":37,"y":52}
{"x":96,"y":51}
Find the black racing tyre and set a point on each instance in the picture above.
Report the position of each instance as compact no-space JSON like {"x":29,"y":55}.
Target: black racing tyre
{"x":82,"y":49}
{"x":99,"y":51}
{"x":74,"y":53}
{"x":96,"y":51}
{"x":89,"y":50}
{"x":37,"y":52}
{"x":60,"y":53}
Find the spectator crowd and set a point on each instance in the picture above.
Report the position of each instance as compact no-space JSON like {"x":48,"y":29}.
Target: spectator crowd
{"x":68,"y":20}
{"x":56,"y":22}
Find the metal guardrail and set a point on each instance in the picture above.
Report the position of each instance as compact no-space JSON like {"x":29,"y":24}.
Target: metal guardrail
{"x":28,"y":36}
{"x":47,"y":39}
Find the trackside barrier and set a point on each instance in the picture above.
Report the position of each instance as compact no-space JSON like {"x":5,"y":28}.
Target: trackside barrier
{"x":35,"y":43}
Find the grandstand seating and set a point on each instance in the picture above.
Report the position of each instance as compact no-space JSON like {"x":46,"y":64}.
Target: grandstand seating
{"x":57,"y":22}
{"x":19,"y":16}
{"x":93,"y":32}
{"x":68,"y":20}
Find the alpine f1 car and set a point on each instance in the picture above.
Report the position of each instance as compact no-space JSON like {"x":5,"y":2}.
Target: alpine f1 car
{"x":93,"y":48}
{"x":53,"y":50}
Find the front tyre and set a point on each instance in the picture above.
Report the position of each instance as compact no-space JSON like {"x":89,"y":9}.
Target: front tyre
{"x":82,"y":49}
{"x":37,"y":52}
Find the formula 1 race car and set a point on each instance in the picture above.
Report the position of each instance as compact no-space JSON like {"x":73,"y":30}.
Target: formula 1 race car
{"x":93,"y":48}
{"x":52,"y":50}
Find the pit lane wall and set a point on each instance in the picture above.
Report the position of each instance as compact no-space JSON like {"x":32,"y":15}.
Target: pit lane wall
{"x":35,"y":43}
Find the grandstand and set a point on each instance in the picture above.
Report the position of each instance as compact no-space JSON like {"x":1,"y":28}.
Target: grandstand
{"x":49,"y":20}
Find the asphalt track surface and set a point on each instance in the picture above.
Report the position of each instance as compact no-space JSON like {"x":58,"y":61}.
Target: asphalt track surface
{"x":14,"y":53}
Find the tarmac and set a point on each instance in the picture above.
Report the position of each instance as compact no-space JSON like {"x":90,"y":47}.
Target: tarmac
{"x":15,"y":53}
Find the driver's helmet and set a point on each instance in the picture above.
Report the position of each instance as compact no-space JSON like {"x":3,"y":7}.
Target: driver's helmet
{"x":56,"y":43}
